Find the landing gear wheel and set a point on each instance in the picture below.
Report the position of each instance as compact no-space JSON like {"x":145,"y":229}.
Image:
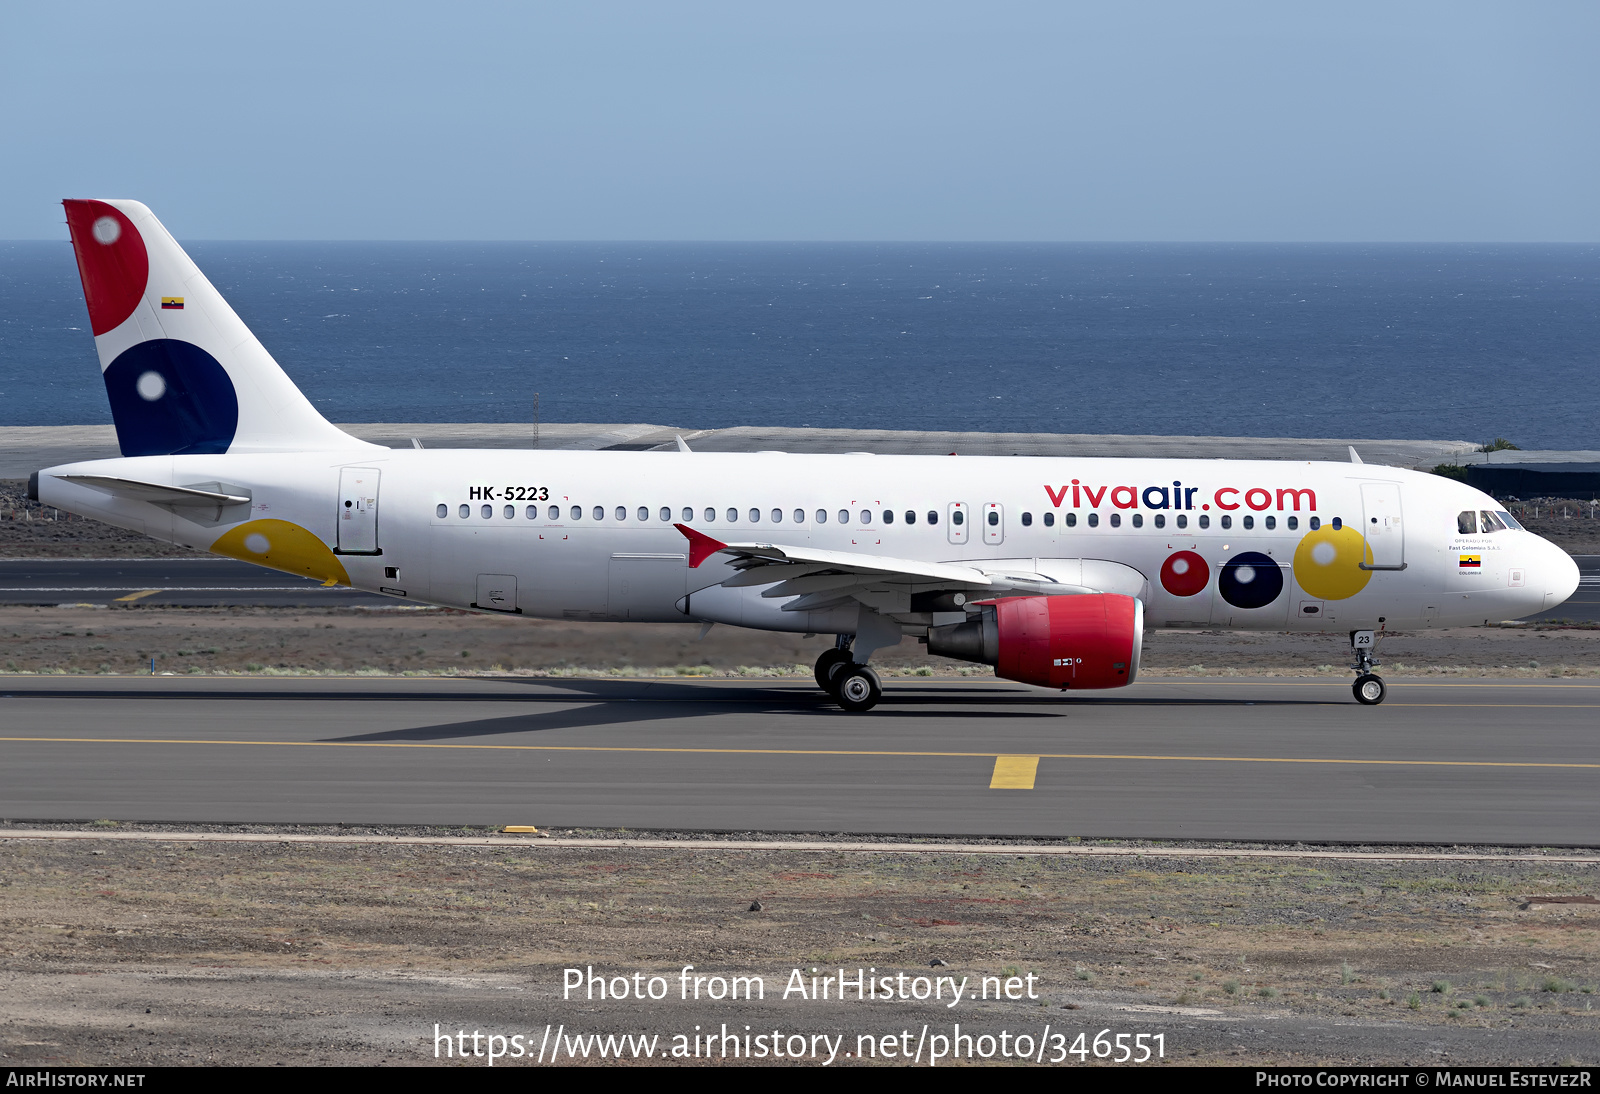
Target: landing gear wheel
{"x":856,"y":688}
{"x":1369,"y":690}
{"x":829,"y":660}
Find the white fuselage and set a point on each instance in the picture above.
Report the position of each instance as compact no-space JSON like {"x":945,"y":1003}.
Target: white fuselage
{"x":591,"y":535}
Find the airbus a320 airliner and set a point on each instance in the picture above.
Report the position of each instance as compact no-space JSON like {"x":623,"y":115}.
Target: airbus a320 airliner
{"x":1048,"y":569}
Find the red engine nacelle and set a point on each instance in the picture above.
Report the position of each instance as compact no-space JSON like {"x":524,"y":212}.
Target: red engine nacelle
{"x":1090,"y":641}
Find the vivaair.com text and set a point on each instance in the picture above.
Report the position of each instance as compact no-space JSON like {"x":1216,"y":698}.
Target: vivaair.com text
{"x":857,"y":985}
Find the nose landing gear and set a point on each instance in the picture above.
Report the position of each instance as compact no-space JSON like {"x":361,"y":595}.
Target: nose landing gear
{"x":1369,"y":688}
{"x":854,"y":687}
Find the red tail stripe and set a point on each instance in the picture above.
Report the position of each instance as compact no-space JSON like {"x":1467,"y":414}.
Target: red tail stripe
{"x":114,"y":273}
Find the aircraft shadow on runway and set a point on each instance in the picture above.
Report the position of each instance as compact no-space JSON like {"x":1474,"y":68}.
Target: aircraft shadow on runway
{"x":781,"y":697}
{"x":619,"y":708}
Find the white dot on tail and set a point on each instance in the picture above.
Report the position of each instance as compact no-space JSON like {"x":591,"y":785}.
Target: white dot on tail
{"x":256,"y":543}
{"x":1323,"y":554}
{"x":107,"y":230}
{"x":1244,"y":575}
{"x":151,"y":386}
{"x":1180,"y":566}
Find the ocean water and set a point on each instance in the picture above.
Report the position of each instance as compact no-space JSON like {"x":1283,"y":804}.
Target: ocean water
{"x":1461,"y":341}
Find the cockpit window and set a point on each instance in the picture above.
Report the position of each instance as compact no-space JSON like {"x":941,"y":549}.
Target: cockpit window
{"x":1467,"y":522}
{"x":1491,"y":523}
{"x":1511,"y":521}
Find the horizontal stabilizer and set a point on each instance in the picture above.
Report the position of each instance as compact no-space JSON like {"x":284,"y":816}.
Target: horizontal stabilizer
{"x":160,"y":495}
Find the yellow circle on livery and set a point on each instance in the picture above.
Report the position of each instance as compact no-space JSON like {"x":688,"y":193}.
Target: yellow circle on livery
{"x":1327,"y":564}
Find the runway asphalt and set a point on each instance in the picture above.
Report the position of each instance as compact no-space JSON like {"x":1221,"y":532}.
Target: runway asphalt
{"x":1452,"y":762}
{"x":192,"y":582}
{"x":222,"y":581}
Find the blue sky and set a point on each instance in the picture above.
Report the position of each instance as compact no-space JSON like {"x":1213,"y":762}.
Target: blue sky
{"x":1389,"y":121}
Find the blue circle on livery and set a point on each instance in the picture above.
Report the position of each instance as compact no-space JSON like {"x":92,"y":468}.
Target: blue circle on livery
{"x":170,"y":397}
{"x":1250,"y":580}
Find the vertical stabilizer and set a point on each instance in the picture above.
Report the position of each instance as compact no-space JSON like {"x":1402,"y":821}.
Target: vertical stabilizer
{"x":182,"y":371}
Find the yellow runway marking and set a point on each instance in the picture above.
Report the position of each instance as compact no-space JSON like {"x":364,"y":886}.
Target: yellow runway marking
{"x":1325,"y":760}
{"x":136,"y":596}
{"x":1014,"y":772}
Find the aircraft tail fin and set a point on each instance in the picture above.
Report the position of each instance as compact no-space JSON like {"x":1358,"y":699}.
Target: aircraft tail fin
{"x":182,"y":371}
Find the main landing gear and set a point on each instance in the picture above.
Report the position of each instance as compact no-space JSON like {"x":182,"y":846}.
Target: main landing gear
{"x":854,"y":687}
{"x":1369,"y":688}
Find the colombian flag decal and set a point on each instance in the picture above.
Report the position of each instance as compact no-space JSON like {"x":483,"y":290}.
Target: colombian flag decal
{"x":172,"y":303}
{"x":1471,"y":562}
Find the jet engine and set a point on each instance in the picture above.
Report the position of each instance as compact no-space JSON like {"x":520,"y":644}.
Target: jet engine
{"x":1087,"y":641}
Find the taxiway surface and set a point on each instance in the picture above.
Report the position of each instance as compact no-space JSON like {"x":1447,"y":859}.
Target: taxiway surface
{"x":189,"y":582}
{"x":1441,"y":762}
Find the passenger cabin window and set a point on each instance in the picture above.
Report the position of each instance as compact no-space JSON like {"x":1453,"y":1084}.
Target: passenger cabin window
{"x":1116,"y":520}
{"x":666,"y":514}
{"x":1027,"y":520}
{"x":1272,"y":522}
{"x":553,"y":513}
{"x":994,"y":519}
{"x":799,"y":516}
{"x":933,"y":518}
{"x":622,"y":513}
{"x":1094,"y":520}
{"x":822,"y":516}
{"x":958,"y":517}
{"x":465,"y":511}
{"x":1160,"y":520}
{"x":1072,"y":520}
{"x":511,"y":512}
{"x":1337,"y":524}
{"x":577,"y":513}
{"x":644,"y":513}
{"x":442,"y":512}
{"x":1205,"y":521}
{"x":1467,"y":522}
{"x":777,"y":516}
{"x":733,"y":516}
{"x":1138,"y":520}
{"x":1249,"y":522}
{"x":486,"y":512}
{"x":711,"y":516}
{"x":888,"y":516}
{"x":599,"y":513}
{"x":532,"y":512}
{"x":911,"y":516}
{"x":755,"y":516}
{"x":1227,"y":521}
{"x":1294,"y":523}
{"x":866,"y":517}
{"x":1049,"y":520}
{"x":688,"y":514}
{"x":1314,"y":523}
{"x":844,"y":516}
{"x":1183,"y":520}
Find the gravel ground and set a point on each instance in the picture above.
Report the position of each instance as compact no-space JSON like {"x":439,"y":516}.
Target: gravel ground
{"x":279,"y":641}
{"x":172,"y":952}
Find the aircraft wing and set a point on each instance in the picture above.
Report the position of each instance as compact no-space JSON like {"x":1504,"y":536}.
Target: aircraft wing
{"x":817,"y":579}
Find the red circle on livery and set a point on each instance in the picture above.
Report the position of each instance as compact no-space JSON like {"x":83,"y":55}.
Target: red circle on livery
{"x":1185,"y":574}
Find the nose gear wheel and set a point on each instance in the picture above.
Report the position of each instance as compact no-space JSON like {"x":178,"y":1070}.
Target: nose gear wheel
{"x":1369,"y":689}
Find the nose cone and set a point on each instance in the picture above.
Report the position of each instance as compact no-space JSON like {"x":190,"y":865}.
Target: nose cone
{"x":1557,"y":573}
